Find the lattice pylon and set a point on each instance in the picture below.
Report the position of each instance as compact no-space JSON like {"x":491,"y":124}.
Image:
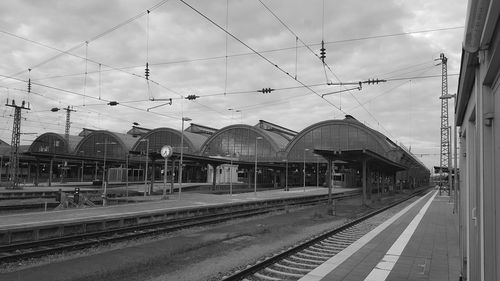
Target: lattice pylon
{"x":445,"y":128}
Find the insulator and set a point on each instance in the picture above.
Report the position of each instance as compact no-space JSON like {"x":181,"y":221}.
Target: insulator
{"x":266,"y":90}
{"x":29,"y":85}
{"x":322,"y":51}
{"x":192,"y":97}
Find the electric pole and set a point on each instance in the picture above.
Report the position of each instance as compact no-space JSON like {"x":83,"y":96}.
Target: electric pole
{"x":16,"y":133}
{"x":68,"y":122}
{"x":445,"y":129}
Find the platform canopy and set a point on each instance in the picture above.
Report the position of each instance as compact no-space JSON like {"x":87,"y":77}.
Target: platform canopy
{"x":54,"y":144}
{"x":240,"y":141}
{"x":358,"y":156}
{"x":99,"y":143}
{"x":157,"y":138}
{"x":340,"y":135}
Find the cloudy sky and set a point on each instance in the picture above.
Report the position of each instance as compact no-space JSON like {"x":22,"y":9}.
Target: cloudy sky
{"x":85,"y":54}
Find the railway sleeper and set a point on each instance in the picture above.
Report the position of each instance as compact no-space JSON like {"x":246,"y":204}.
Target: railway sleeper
{"x":306,"y":260}
{"x":319,"y":254}
{"x":312,"y":257}
{"x":294,"y":263}
{"x":342,"y":237}
{"x":333,"y":250}
{"x":324,"y":250}
{"x":265,"y":277}
{"x":347,"y":236}
{"x":278,"y":272}
{"x":292,"y":269}
{"x":335,"y":244}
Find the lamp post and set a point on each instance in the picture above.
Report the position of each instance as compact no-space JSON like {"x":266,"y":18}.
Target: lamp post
{"x":146,"y":170}
{"x":104,"y":185}
{"x":182,"y":152}
{"x":166,"y":151}
{"x":306,"y":149}
{"x":455,"y":180}
{"x":255,"y":176}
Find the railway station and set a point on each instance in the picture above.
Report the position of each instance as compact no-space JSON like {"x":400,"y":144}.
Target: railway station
{"x":266,"y":155}
{"x":330,"y":197}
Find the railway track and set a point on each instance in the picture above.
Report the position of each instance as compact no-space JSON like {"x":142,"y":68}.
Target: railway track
{"x":297,"y":261}
{"x":20,"y":251}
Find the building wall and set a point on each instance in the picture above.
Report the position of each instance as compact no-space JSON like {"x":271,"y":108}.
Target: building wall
{"x":478,"y":116}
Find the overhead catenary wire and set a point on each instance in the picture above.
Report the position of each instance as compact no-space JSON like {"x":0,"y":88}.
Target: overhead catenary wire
{"x":68,"y":51}
{"x":226,"y":89}
{"x":79,"y":94}
{"x":85,"y":77}
{"x":99,"y":63}
{"x":214,"y":57}
{"x":257,"y":53}
{"x":227,"y":26}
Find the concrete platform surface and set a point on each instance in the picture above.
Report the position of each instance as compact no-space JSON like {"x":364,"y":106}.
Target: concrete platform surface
{"x":420,"y":243}
{"x":186,"y":200}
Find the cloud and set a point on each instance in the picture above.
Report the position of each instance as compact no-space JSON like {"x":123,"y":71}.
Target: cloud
{"x":186,"y":54}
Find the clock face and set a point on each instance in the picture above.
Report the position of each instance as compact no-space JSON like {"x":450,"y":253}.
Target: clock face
{"x":166,"y":151}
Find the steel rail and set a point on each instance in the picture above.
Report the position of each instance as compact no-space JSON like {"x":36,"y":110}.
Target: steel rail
{"x":19,"y":251}
{"x":260,"y":265}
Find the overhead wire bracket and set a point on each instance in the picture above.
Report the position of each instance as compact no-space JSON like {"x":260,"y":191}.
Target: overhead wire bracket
{"x":163,"y":104}
{"x":341,"y":91}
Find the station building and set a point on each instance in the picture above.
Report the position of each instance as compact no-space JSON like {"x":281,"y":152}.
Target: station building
{"x":477,"y":114}
{"x":343,"y":153}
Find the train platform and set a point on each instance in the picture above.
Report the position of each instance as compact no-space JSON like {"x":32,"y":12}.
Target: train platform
{"x":153,"y":204}
{"x":418,"y":243}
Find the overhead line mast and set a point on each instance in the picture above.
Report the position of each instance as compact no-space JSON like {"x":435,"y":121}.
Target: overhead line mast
{"x":14,"y":150}
{"x":445,"y":129}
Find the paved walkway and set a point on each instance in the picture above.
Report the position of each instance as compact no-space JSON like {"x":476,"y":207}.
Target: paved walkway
{"x":420,"y":244}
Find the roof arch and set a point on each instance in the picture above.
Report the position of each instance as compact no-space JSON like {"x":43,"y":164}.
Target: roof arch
{"x":2,"y":143}
{"x":167,"y":136}
{"x":240,"y":141}
{"x":99,"y":142}
{"x":336,"y":135}
{"x":54,"y":143}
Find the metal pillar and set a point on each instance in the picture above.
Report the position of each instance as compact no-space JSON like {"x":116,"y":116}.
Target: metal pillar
{"x":172,"y":176}
{"x":51,"y":171}
{"x":182,"y":153}
{"x":214,"y":176}
{"x":364,"y":179}
{"x":286,"y":175}
{"x":165,"y":178}
{"x":330,"y":171}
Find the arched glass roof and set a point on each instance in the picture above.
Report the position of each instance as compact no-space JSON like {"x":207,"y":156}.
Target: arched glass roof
{"x":54,"y":144}
{"x":167,"y":136}
{"x":97,"y":143}
{"x":2,"y":143}
{"x":240,"y":141}
{"x":339,"y":135}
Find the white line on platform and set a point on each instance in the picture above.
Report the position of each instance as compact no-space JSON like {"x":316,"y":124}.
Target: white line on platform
{"x":330,"y":265}
{"x":385,"y":266}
